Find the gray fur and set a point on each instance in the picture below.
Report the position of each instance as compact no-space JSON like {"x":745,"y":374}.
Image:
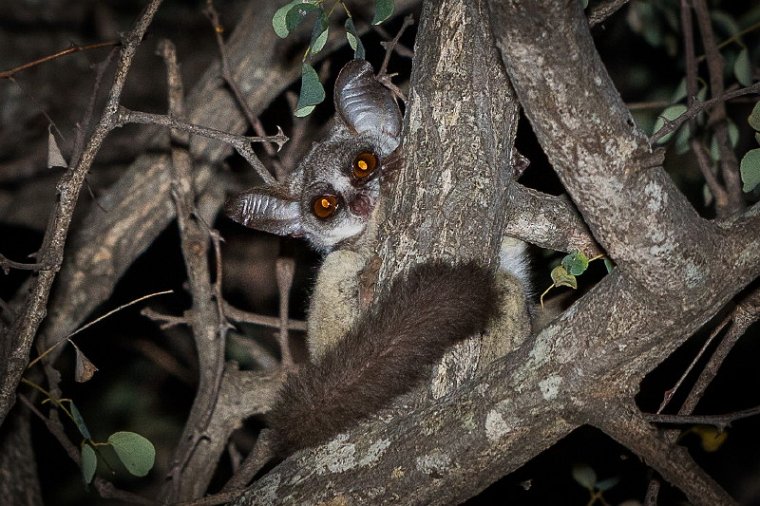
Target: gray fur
{"x":368,"y":119}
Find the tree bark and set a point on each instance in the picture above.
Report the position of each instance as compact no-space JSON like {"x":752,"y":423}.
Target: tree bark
{"x":602,"y":346}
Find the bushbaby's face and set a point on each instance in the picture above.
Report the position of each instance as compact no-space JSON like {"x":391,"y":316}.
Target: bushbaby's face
{"x":339,"y":188}
{"x":329,"y":199}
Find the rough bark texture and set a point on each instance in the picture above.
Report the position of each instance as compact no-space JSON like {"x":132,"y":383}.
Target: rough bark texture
{"x":595,"y":354}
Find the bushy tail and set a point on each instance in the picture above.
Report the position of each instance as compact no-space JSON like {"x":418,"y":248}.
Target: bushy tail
{"x":387,"y":352}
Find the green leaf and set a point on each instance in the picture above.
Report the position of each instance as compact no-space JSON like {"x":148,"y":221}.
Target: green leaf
{"x":681,"y":144}
{"x":561,"y":277}
{"x":585,"y":476}
{"x":278,"y":20}
{"x":607,"y":484}
{"x":304,"y":111}
{"x":733,"y":138}
{"x":89,"y":462}
{"x":135,"y":452}
{"x":742,"y":68}
{"x":754,"y":117}
{"x":725,"y":22}
{"x":584,"y":4}
{"x":312,"y":92}
{"x":680,"y":91}
{"x":750,"y":170}
{"x":669,"y":114}
{"x":297,"y":14}
{"x":383,"y":10}
{"x":79,"y":421}
{"x":353,"y":40}
{"x":608,"y":265}
{"x":575,"y":263}
{"x":319,"y":33}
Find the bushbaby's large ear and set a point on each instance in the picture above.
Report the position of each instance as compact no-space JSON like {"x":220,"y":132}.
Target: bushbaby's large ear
{"x":269,"y":208}
{"x":366,"y":106}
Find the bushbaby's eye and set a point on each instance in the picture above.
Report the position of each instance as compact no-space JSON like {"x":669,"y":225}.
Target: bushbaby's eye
{"x":364,"y":165}
{"x":324,"y":206}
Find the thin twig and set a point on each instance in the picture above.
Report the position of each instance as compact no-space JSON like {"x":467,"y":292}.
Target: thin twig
{"x":17,"y":343}
{"x":718,"y":117}
{"x":241,"y":143}
{"x":6,"y":74}
{"x":390,"y":47}
{"x":239,"y":315}
{"x":745,"y":314}
{"x":213,"y":17}
{"x":625,"y":424}
{"x":670,"y":393}
{"x":719,"y":421}
{"x":96,"y":320}
{"x":705,"y":167}
{"x":382,"y":74}
{"x":84,"y":126}
{"x":673,"y":125}
{"x":6,"y":265}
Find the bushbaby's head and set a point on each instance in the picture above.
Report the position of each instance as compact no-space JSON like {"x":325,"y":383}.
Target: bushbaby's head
{"x":329,"y":198}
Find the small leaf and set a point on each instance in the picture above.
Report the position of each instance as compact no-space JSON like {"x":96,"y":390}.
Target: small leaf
{"x":585,"y":476}
{"x":680,"y":91}
{"x":750,"y":170}
{"x":312,"y":92}
{"x":278,"y":20}
{"x":319,"y":33}
{"x":608,"y":265}
{"x":711,"y":437}
{"x":607,"y":484}
{"x":79,"y":421}
{"x":135,"y":452}
{"x":561,"y":277}
{"x":733,"y":139}
{"x":89,"y":463}
{"x":55,"y":158}
{"x":304,"y":111}
{"x":383,"y":10}
{"x":353,"y":40}
{"x":681,"y":144}
{"x":85,"y":369}
{"x":297,"y":14}
{"x":669,"y":114}
{"x":743,"y":68}
{"x":754,"y":117}
{"x":575,"y":263}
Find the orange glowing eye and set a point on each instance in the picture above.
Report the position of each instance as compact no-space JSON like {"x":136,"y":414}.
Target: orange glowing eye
{"x":324,"y":206}
{"x":364,"y":165}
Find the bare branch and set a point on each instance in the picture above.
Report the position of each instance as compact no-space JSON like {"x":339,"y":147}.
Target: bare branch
{"x":16,"y":345}
{"x":241,"y":143}
{"x":6,"y":74}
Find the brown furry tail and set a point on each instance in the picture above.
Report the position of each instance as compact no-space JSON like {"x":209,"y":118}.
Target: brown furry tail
{"x":385,"y":354}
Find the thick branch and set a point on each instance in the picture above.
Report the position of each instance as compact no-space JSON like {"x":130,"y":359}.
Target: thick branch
{"x":548,"y":221}
{"x":518,"y":407}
